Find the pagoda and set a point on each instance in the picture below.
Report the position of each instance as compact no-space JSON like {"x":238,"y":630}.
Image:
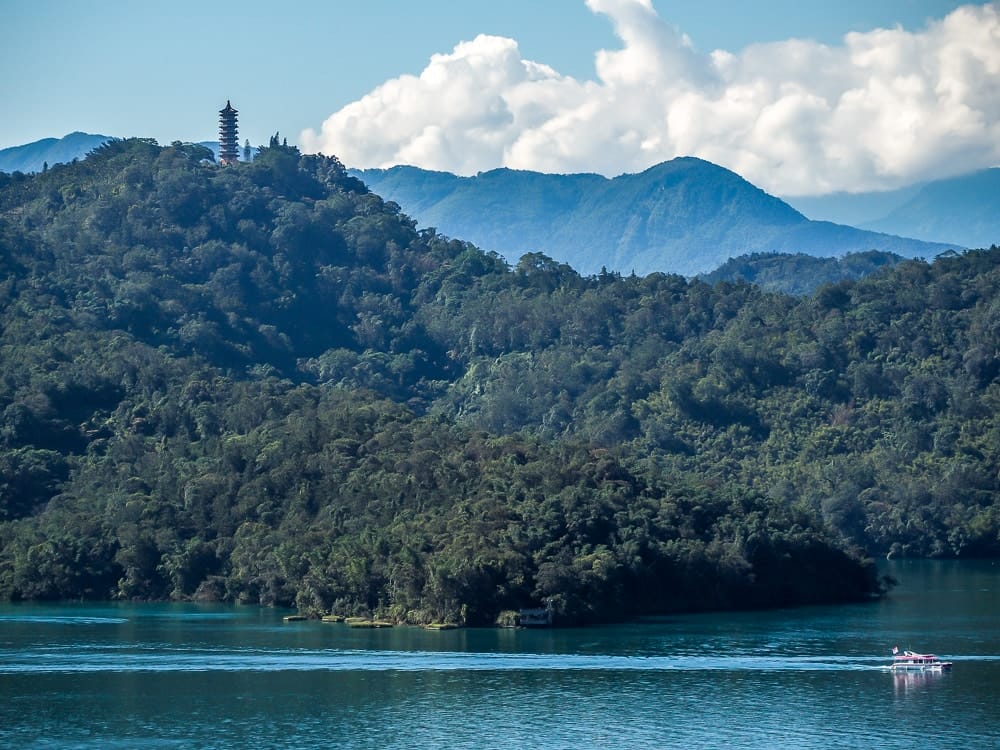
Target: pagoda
{"x":229,"y":150}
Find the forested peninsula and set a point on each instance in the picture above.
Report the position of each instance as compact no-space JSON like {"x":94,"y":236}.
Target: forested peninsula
{"x":262,"y":383}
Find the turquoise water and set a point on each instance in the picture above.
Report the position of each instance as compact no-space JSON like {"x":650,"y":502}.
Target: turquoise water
{"x":179,"y":676}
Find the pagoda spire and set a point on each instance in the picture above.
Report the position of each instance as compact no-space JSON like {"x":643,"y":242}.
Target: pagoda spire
{"x":229,"y":146}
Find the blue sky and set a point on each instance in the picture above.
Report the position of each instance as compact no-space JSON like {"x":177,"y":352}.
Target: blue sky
{"x":528,"y":89}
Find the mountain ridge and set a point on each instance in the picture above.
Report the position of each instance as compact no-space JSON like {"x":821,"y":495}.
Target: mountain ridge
{"x":32,"y":157}
{"x":927,"y":213}
{"x":686,"y":215}
{"x":964,"y":208}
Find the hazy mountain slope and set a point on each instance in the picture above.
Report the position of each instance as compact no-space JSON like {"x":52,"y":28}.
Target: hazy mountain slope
{"x":32,"y":157}
{"x":416,"y":187}
{"x":962,"y":209}
{"x":482,"y":207}
{"x":855,"y":209}
{"x":683,"y":216}
{"x":677,"y":216}
{"x":826,"y":239}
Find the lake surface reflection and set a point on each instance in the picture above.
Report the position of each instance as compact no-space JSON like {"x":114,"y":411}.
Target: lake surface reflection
{"x":172,"y":676}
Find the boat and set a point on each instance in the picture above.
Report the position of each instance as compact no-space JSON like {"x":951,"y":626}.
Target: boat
{"x":910,"y":661}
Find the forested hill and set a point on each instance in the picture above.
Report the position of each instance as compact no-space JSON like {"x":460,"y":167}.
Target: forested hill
{"x":799,"y":273}
{"x":262,"y":383}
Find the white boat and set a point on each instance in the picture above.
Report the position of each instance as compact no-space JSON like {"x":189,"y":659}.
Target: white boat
{"x":909,"y":661}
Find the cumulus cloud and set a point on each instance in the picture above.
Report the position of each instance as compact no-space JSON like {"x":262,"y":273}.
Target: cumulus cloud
{"x":880,"y":109}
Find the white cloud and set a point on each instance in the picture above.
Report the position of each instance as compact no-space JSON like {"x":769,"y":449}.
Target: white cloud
{"x":881,"y":109}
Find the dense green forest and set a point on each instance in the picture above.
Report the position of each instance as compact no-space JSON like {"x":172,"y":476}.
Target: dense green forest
{"x":261,"y":383}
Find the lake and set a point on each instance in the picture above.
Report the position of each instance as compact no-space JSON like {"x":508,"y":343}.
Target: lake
{"x":122,"y":675}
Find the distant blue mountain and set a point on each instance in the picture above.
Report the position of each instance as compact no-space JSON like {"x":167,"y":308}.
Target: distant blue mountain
{"x":962,"y":209}
{"x":32,"y":157}
{"x":854,"y":209}
{"x":685,"y":216}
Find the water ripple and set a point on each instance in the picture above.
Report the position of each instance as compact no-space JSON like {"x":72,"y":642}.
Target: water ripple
{"x":88,"y":658}
{"x":63,"y":619}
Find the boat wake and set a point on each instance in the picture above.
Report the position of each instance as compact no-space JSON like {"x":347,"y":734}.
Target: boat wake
{"x":89,"y":658}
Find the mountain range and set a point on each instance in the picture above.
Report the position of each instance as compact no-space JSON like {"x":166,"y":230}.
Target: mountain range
{"x":34,"y":156}
{"x":683,"y":216}
{"x":687,"y":216}
{"x":963,"y":209}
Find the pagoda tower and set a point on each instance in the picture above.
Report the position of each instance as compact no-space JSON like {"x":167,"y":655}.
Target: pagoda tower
{"x":229,"y":147}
